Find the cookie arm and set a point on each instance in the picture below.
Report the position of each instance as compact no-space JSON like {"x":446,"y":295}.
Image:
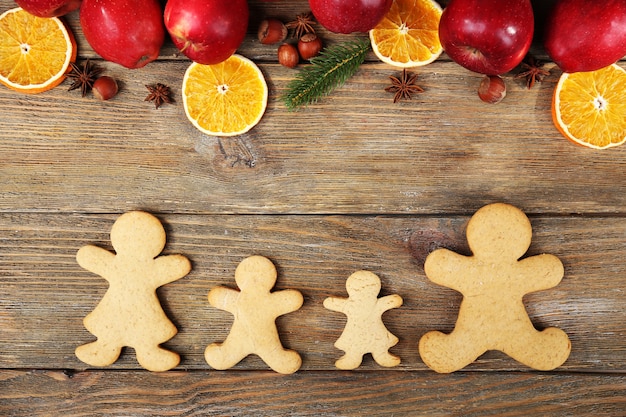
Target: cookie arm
{"x":95,"y":259}
{"x":335,"y":304}
{"x":446,"y":268}
{"x":286,"y":301}
{"x":388,"y":302}
{"x":541,"y":272}
{"x":224,"y":298}
{"x":171,"y":268}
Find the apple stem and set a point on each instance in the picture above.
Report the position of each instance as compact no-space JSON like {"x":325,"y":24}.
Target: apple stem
{"x":186,"y":46}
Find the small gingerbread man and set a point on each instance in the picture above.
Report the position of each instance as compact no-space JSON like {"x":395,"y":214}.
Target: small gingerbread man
{"x":493,"y":282}
{"x":130,"y":314}
{"x":255,"y":309}
{"x":365,"y":331}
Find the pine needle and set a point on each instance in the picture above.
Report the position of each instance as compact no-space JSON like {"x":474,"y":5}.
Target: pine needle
{"x":327,"y":71}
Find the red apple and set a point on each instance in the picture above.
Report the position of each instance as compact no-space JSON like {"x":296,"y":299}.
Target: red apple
{"x":586,"y":35}
{"x":207,"y":31}
{"x":48,"y":8}
{"x":487,"y":36}
{"x":127,"y":32}
{"x":347,"y":16}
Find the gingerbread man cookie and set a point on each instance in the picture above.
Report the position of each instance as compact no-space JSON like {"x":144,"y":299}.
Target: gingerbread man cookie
{"x":255,"y":309}
{"x":130,"y":314}
{"x":365,"y":331}
{"x":493,"y":282}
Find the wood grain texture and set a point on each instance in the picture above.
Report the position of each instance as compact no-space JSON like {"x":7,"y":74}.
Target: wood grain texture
{"x":239,"y":394}
{"x":44,"y":294}
{"x":443,"y":151}
{"x":352,"y":182}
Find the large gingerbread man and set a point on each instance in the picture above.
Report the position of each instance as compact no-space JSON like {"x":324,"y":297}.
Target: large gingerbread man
{"x":365,"y":331}
{"x":493,"y":282}
{"x":130,"y":314}
{"x":255,"y":309}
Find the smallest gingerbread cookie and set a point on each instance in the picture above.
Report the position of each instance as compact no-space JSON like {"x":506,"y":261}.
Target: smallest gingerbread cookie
{"x":365,"y":331}
{"x":255,"y":309}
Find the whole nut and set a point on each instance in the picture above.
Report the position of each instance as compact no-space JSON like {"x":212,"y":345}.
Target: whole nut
{"x":492,"y":89}
{"x":272,"y":31}
{"x":288,"y":55}
{"x":309,"y":46}
{"x":104,"y":88}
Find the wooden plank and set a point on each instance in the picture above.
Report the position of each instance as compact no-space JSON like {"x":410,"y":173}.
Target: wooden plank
{"x":44,"y":294}
{"x":445,"y":151}
{"x":382,"y":393}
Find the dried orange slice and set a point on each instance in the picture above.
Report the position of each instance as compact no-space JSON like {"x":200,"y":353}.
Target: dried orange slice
{"x":589,"y":108}
{"x":35,"y":52}
{"x":408,"y":35}
{"x":225,"y":99}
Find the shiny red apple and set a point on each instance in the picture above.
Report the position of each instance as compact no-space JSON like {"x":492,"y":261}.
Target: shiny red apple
{"x":48,"y":8}
{"x":487,"y":36}
{"x":348,"y":16}
{"x":207,"y":31}
{"x":586,"y":35}
{"x":127,"y":32}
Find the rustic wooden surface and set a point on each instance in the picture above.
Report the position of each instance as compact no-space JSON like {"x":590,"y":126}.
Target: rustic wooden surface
{"x":352,"y":182}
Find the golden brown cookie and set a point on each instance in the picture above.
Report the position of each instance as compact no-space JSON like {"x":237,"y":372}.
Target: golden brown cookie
{"x":130,"y":314}
{"x":365,"y":331}
{"x":493,"y":282}
{"x":255,"y":309}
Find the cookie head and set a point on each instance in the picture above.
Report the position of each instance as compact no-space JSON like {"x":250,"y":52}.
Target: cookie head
{"x":256,"y":272}
{"x":499,"y":231}
{"x":139,"y":233}
{"x":363,"y":283}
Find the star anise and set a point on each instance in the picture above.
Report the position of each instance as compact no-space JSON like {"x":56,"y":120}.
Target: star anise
{"x":84,"y":76}
{"x":404,"y":86}
{"x":159,"y":94}
{"x":532,"y":70}
{"x":303,"y":24}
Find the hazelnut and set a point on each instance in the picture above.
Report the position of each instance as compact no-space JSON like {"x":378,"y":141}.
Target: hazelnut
{"x":309,"y":46}
{"x":272,"y":31}
{"x":104,"y":88}
{"x":492,"y":89}
{"x":288,"y":55}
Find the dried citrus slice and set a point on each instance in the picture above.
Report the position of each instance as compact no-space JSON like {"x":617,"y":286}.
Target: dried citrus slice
{"x":225,"y":99}
{"x":589,"y":108}
{"x":408,"y":35}
{"x":35,"y":52}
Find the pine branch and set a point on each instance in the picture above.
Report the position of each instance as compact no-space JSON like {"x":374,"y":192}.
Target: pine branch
{"x":327,"y":71}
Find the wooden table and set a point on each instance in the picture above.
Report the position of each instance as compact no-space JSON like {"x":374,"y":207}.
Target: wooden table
{"x":354,"y":182}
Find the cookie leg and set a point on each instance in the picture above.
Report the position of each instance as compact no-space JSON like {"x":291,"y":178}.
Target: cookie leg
{"x":98,"y":353}
{"x":384,"y":358}
{"x":351,"y":360}
{"x":281,"y":360}
{"x":156,"y":359}
{"x":544,"y":350}
{"x":223,"y":356}
{"x":447,"y":353}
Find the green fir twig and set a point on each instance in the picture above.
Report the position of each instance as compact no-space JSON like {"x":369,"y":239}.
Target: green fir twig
{"x":327,"y":71}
